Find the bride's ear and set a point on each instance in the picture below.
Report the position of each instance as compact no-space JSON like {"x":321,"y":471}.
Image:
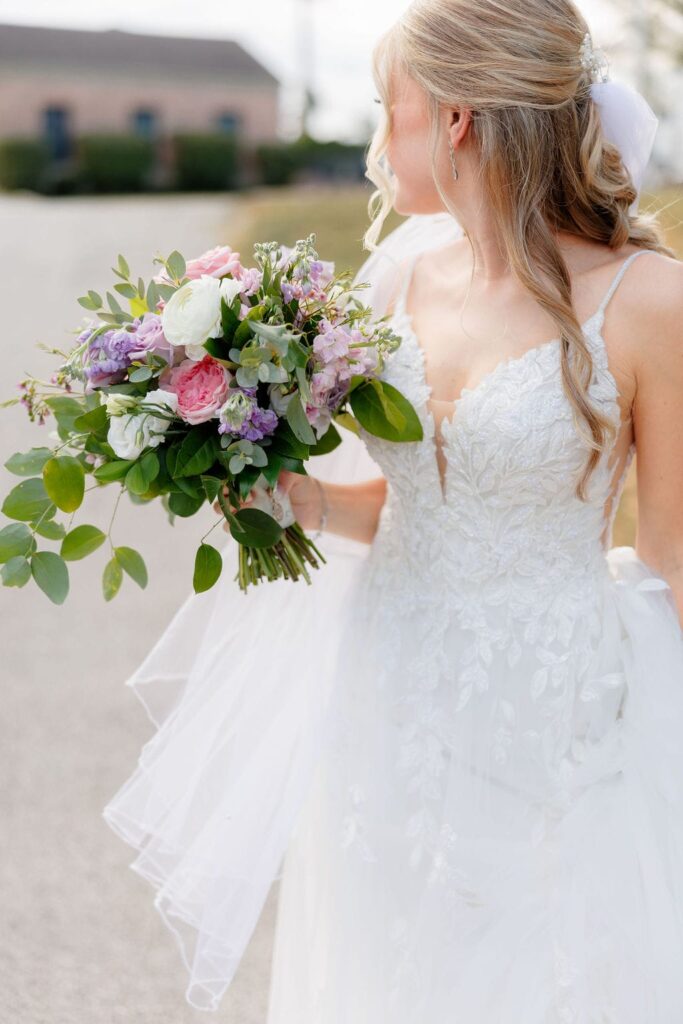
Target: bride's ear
{"x":459,"y":120}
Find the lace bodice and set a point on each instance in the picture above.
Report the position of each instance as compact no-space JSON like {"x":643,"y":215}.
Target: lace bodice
{"x":490,"y":585}
{"x":512,"y":452}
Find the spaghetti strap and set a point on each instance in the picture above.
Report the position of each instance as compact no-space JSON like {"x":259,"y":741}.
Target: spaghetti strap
{"x":617,"y":278}
{"x":399,"y":305}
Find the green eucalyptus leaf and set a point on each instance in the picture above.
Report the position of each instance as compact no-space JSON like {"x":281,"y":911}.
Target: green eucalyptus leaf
{"x":140,"y":373}
{"x":176,"y":265}
{"x":27,"y":501}
{"x":15,"y":539}
{"x":16,"y":571}
{"x":81,"y":541}
{"x":208,"y":565}
{"x":112,"y":577}
{"x":133,"y":563}
{"x":28,"y":463}
{"x":50,"y":530}
{"x":50,"y":572}
{"x":64,"y":481}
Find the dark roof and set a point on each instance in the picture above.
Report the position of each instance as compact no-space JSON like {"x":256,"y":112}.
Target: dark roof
{"x":113,"y":49}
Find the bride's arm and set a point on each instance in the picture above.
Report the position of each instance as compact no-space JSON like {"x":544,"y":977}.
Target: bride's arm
{"x":658,"y":428}
{"x":352,"y":509}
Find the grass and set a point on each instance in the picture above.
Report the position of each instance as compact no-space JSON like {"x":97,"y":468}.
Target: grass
{"x":338,"y":216}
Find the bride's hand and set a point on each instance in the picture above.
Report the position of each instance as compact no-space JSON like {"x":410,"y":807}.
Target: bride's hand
{"x":304,"y":496}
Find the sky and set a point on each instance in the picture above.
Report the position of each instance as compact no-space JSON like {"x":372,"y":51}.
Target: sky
{"x":332,"y":38}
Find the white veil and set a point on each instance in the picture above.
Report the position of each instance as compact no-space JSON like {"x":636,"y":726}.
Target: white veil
{"x":237,"y":687}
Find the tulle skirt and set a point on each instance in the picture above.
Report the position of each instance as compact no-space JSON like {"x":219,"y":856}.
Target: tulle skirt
{"x":422,"y":882}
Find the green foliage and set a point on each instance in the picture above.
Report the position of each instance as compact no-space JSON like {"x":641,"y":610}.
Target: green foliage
{"x":384,"y":412}
{"x":81,"y":541}
{"x":197,"y":452}
{"x":28,"y":463}
{"x":64,"y":481}
{"x":205,"y":160}
{"x":16,"y":571}
{"x":15,"y":540}
{"x":112,"y":577}
{"x":132,"y":562}
{"x":28,"y":501}
{"x":255,"y":528}
{"x":208,"y":565}
{"x":115,"y":162}
{"x":50,"y":572}
{"x":141,"y":474}
{"x":23,"y":163}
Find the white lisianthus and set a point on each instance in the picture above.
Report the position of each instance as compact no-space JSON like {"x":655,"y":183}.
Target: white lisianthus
{"x":193,"y":313}
{"x":229,"y":288}
{"x":116,"y":404}
{"x":130,"y":433}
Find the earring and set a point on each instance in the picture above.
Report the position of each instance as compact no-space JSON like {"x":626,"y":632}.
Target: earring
{"x":452,"y":156}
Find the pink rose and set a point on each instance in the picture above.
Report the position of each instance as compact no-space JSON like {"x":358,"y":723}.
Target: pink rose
{"x":216,"y":262}
{"x":201,"y":387}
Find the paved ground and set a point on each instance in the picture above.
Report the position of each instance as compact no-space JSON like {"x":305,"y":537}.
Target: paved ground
{"x":80,"y":939}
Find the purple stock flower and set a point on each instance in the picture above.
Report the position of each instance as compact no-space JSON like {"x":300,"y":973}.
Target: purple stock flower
{"x":241,"y":415}
{"x":109,"y":356}
{"x":259,"y":423}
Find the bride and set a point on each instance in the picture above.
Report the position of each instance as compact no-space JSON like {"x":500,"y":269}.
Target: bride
{"x":460,"y":750}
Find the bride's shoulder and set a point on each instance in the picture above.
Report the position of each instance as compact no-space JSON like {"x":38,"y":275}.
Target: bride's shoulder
{"x":650,"y":306}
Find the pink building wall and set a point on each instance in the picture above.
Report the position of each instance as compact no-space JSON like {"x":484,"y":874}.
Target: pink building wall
{"x":105,"y":102}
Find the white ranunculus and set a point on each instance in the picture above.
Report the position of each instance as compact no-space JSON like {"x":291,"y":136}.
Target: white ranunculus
{"x":130,"y":433}
{"x":193,"y":312}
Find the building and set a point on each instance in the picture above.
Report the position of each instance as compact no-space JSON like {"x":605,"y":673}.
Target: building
{"x":61,"y":83}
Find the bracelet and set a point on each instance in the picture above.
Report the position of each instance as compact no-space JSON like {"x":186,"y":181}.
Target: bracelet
{"x":325,"y":509}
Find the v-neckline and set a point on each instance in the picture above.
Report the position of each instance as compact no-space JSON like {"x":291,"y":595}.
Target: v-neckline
{"x":447,"y":424}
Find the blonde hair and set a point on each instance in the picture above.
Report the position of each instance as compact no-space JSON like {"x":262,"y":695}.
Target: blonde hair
{"x":545,"y":164}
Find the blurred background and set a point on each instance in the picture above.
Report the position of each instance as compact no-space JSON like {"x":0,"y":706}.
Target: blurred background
{"x":139,"y":126}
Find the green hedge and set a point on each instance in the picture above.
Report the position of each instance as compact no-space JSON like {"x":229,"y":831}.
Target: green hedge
{"x":23,"y":163}
{"x":281,"y":163}
{"x":205,"y":161}
{"x":114,"y":163}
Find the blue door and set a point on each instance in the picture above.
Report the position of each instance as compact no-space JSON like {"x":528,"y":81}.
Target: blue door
{"x":56,"y":126}
{"x":228,"y":122}
{"x":145,"y":123}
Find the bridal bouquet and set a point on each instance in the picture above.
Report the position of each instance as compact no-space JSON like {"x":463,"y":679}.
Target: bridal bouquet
{"x":215,"y":378}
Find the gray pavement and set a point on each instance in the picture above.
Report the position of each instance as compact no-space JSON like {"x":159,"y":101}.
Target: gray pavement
{"x":80,"y":940}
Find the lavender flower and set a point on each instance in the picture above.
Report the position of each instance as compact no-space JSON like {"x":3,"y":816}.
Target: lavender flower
{"x":109,"y":356}
{"x":240,"y":414}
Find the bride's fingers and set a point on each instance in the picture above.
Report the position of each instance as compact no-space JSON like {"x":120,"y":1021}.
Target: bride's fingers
{"x":234,"y":508}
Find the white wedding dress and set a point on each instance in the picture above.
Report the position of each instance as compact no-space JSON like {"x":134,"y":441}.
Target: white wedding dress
{"x":461,"y":749}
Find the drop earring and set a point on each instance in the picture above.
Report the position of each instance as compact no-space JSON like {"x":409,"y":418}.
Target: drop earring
{"x":452,"y":156}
